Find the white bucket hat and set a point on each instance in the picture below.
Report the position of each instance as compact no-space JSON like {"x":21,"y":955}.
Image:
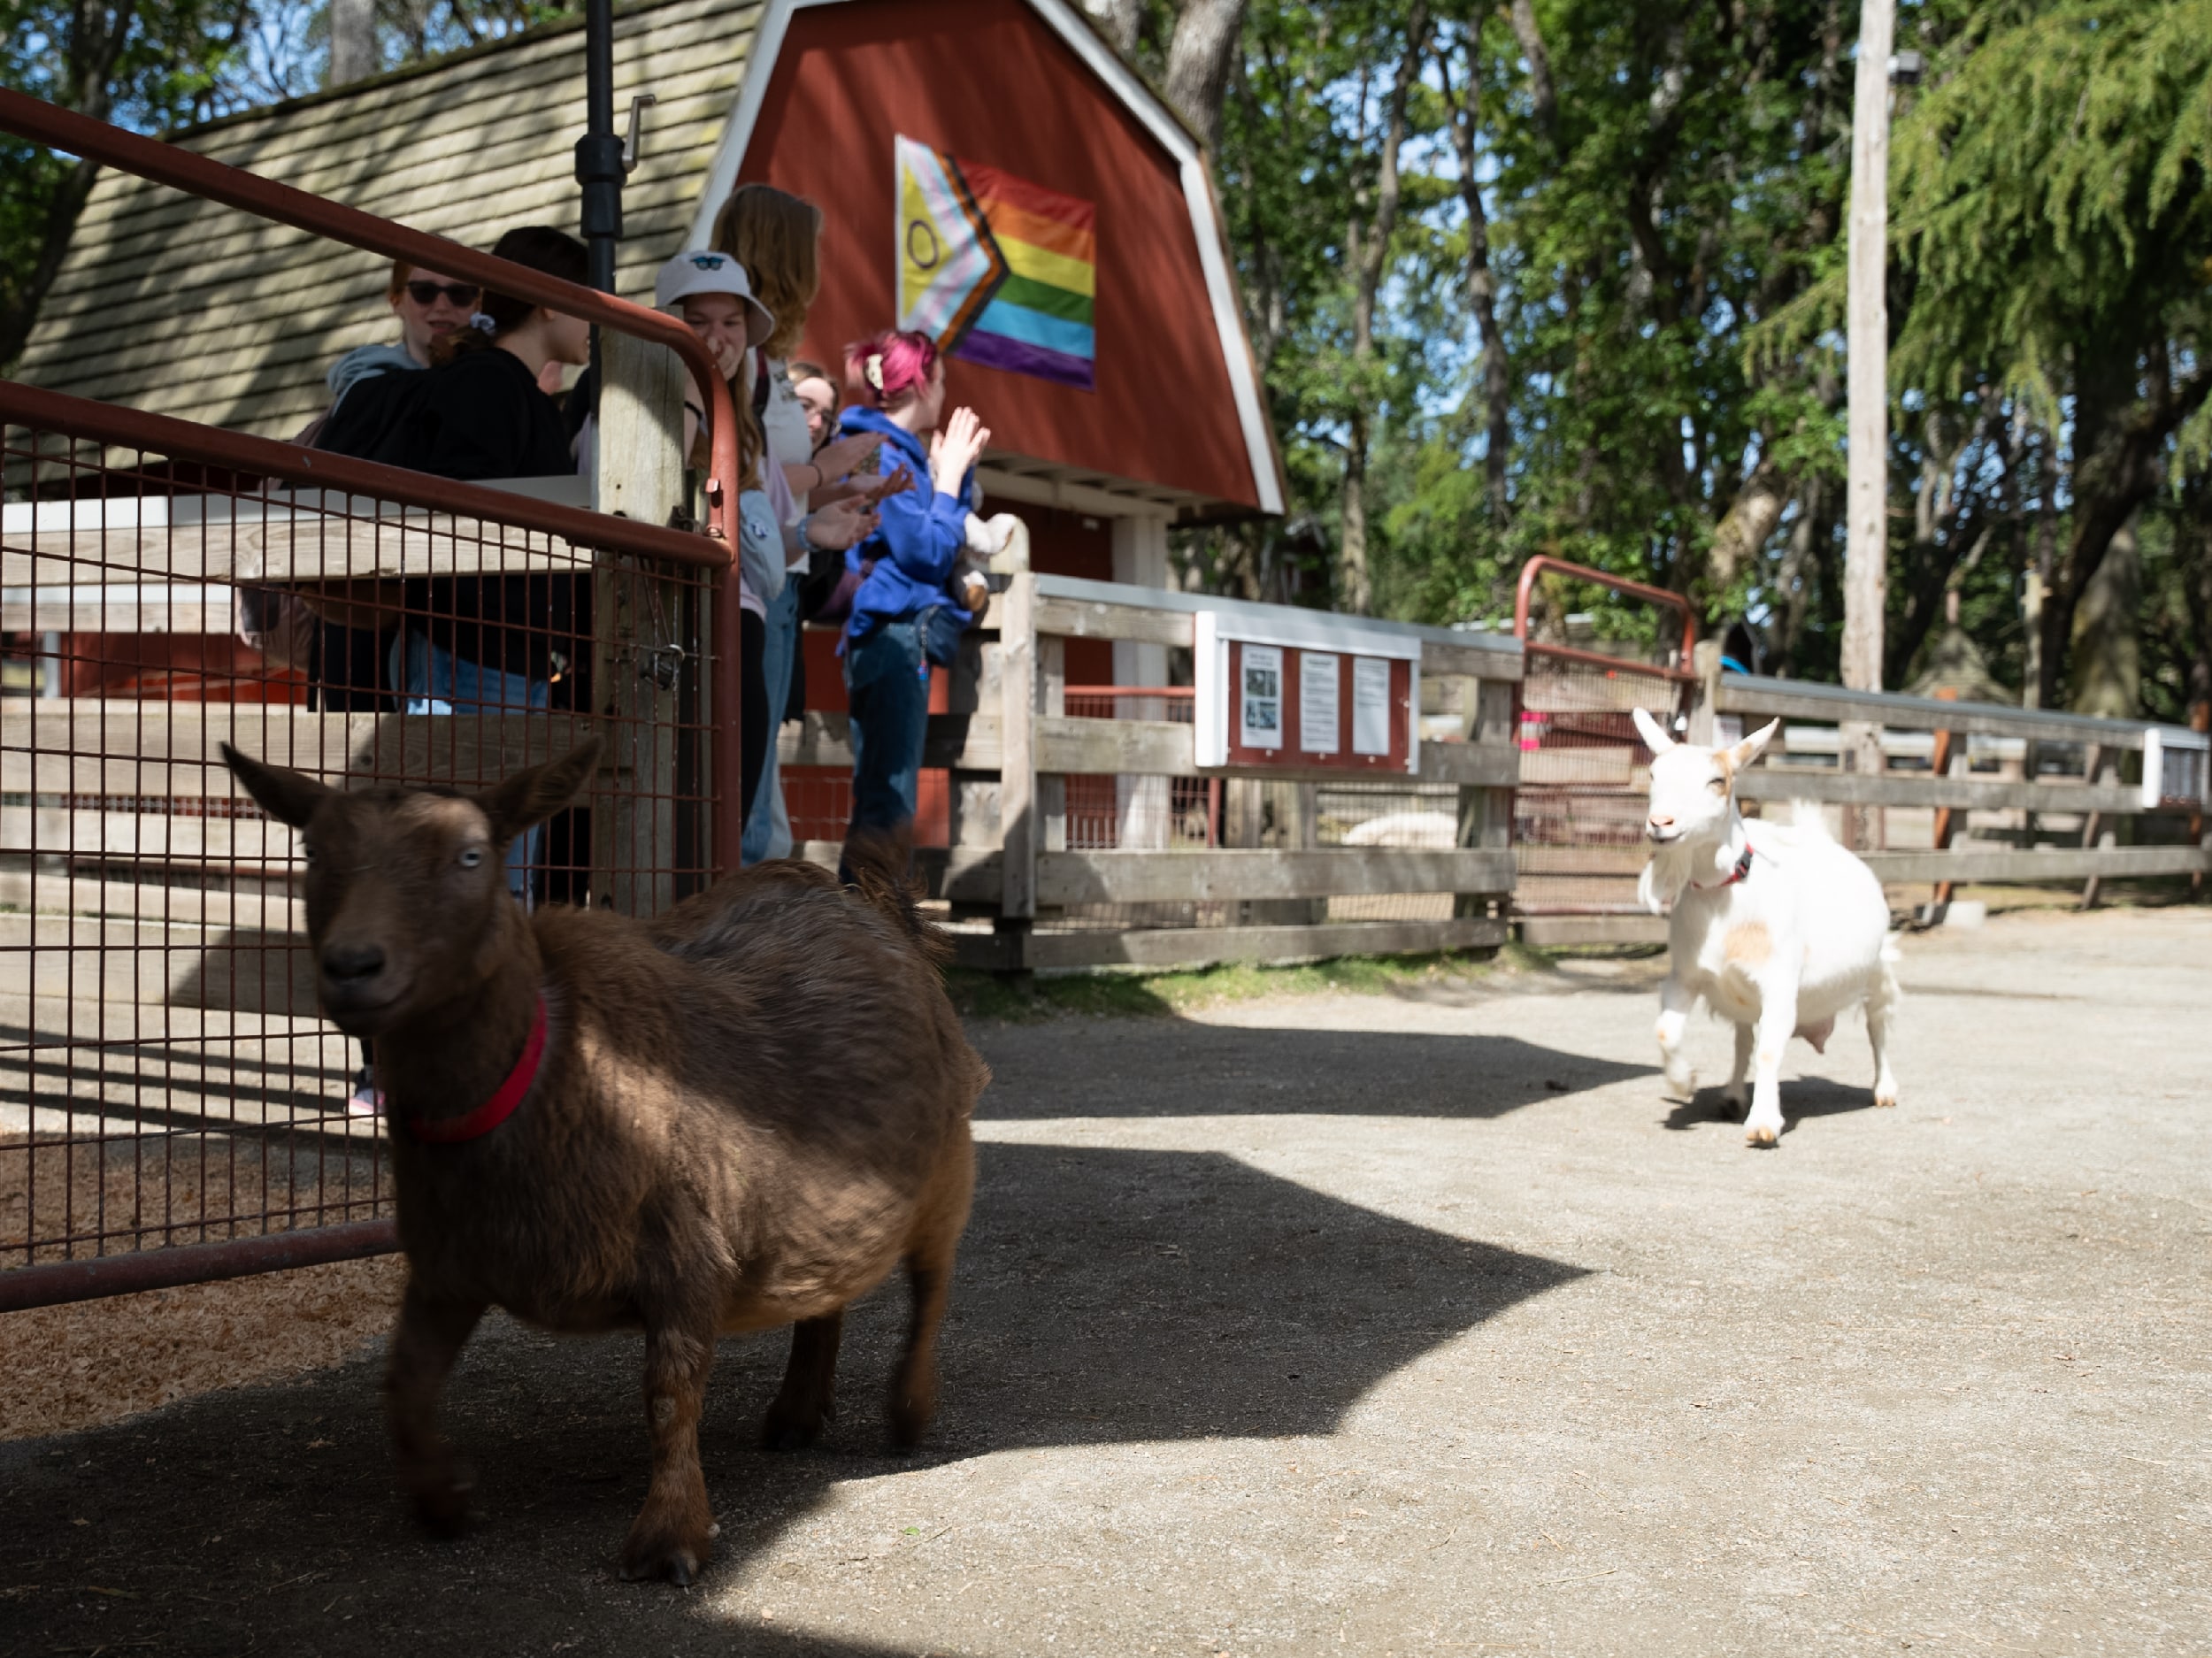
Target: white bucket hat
{"x":703,"y":271}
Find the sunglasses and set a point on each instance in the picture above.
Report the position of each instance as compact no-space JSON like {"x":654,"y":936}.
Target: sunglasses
{"x":459,"y":293}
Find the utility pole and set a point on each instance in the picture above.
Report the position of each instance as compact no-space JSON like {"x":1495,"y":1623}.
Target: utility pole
{"x":599,"y":151}
{"x":1866,"y":543}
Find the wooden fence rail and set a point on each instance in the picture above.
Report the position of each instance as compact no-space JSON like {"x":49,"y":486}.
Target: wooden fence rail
{"x":1015,"y":771}
{"x":2165,"y":815}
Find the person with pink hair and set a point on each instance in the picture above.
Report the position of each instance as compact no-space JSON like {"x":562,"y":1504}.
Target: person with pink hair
{"x":904,"y":612}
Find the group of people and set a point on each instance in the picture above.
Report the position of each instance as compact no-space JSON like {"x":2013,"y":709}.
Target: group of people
{"x":859,"y":511}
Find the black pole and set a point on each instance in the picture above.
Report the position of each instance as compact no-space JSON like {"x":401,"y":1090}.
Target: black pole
{"x":599,"y":151}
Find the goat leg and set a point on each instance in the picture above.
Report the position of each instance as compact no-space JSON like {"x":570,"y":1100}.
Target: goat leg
{"x":1880,"y":1007}
{"x":1736,"y":1097}
{"x":1675,"y":1000}
{"x":808,"y":1397}
{"x":1778,"y":1018}
{"x":929,"y":1258}
{"x":430,"y":1335}
{"x":672,"y":1534}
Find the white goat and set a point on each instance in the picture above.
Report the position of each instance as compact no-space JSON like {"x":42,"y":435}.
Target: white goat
{"x":1780,"y":932}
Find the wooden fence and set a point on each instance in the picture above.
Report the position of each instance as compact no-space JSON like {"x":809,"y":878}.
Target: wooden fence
{"x":1024,"y":898}
{"x":2007,"y":794}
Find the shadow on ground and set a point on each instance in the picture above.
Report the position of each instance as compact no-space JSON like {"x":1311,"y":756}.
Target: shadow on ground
{"x":1803,"y":1100}
{"x":1103,"y":1295}
{"x":1113,"y":1069}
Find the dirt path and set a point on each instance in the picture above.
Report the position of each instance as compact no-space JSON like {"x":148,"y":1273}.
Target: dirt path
{"x":1362,"y":1324}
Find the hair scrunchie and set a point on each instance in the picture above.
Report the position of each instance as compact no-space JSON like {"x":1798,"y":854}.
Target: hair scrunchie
{"x":484,"y":323}
{"x":873,"y":369}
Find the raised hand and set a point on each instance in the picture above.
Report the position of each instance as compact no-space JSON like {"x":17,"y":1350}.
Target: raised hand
{"x":843,"y":524}
{"x":956,"y":449}
{"x":837,"y":459}
{"x":896,"y":481}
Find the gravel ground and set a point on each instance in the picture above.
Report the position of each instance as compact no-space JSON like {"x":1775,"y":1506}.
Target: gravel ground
{"x":1383,"y":1325}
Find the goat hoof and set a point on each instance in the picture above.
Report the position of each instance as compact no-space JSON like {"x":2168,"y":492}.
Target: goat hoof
{"x":1761,"y":1134}
{"x":910,"y":1417}
{"x":645,"y":1559}
{"x":1887,"y":1102}
{"x":679,"y":1568}
{"x":788,"y":1436}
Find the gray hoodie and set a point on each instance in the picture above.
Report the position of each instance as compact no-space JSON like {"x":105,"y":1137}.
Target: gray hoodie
{"x":366,"y":363}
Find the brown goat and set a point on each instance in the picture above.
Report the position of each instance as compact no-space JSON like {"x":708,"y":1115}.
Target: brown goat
{"x":746,"y":1114}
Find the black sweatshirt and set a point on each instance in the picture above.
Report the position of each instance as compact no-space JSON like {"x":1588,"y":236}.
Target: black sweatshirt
{"x":480,"y":416}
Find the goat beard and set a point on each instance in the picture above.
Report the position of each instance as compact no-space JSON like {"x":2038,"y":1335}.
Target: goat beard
{"x":1664,"y":878}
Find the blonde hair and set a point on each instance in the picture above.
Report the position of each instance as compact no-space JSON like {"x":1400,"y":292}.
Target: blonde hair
{"x":774,"y":235}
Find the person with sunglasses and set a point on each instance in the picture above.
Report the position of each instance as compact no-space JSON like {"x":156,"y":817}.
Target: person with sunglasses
{"x":431,"y":307}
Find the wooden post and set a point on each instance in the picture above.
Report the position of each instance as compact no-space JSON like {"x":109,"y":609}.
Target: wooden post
{"x":1941,"y":764}
{"x":2199,"y":719}
{"x":1866,"y":545}
{"x":1017,"y":761}
{"x":636,"y":622}
{"x":1705,"y":707}
{"x":1485,"y":815}
{"x":1052,"y":699}
{"x":974,"y":688}
{"x":2098,"y":828}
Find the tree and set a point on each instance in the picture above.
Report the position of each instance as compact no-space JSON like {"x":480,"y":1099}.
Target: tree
{"x":146,"y":66}
{"x":1198,"y":58}
{"x":1367,"y":243}
{"x":2053,"y":226}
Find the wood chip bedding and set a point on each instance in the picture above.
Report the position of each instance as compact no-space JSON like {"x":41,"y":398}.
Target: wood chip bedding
{"x":75,"y":1366}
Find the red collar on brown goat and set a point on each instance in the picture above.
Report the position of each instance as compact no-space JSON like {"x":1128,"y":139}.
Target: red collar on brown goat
{"x":448,"y":1130}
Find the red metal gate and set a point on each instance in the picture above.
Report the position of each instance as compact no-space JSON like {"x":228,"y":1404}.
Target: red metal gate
{"x":1578,"y":809}
{"x":173,"y":1108}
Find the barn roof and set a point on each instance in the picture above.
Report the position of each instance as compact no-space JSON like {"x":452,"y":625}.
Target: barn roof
{"x":179,"y":306}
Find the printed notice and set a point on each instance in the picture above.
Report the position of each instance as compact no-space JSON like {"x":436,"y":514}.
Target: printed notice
{"x":1320,"y":701}
{"x":1260,"y":716}
{"x":1371,"y":705}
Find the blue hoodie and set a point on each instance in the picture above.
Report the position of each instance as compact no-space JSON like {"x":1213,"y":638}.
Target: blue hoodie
{"x":920,"y":539}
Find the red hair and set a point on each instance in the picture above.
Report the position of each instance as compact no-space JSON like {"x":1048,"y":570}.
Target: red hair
{"x":901,"y":361}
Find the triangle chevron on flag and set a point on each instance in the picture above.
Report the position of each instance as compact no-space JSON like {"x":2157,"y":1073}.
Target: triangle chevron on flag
{"x":949,"y":264}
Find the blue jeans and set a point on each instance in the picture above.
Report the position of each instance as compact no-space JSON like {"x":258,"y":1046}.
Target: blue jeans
{"x":886,"y":687}
{"x":764,"y":822}
{"x":434,"y":681}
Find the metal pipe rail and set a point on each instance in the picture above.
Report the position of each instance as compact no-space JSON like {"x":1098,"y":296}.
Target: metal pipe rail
{"x":1543,"y":562}
{"x":213,"y":180}
{"x":93,"y":422}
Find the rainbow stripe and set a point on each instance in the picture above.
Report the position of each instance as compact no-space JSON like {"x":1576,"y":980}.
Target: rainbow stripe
{"x":999,"y":272}
{"x":1041,"y":320}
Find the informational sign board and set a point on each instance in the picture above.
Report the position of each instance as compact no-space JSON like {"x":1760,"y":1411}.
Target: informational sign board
{"x":1304,"y":693}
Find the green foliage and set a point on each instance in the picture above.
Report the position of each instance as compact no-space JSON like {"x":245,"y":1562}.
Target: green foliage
{"x":1663,"y":191}
{"x":143,"y":66}
{"x":2051,"y":195}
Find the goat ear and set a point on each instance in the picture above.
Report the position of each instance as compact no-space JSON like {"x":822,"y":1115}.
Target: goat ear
{"x":528,"y":798}
{"x":1656,"y":737}
{"x":1752,"y":747}
{"x":288,"y":796}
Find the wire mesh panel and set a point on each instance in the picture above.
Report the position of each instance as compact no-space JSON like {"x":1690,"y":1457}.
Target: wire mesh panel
{"x":165,"y":1077}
